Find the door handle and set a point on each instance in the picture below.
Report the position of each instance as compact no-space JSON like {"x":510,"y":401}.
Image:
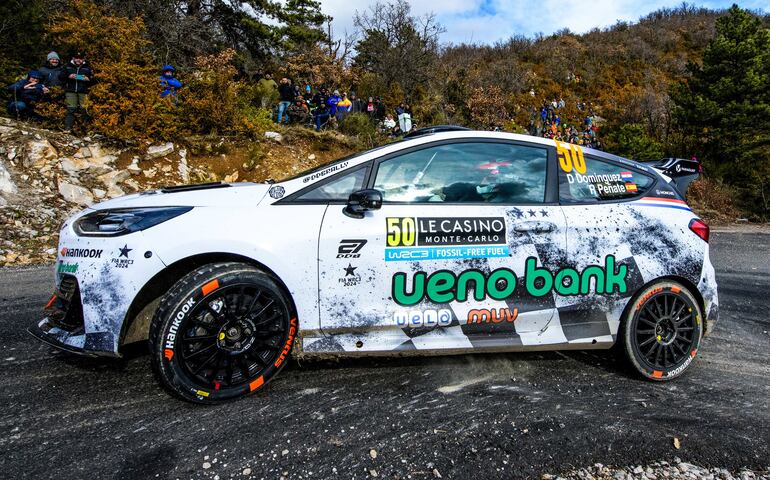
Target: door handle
{"x":534,"y":227}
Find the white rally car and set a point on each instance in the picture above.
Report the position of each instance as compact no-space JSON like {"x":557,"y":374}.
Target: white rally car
{"x":446,"y":242}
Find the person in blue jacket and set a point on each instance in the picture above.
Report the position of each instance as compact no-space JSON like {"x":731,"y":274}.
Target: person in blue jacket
{"x":334,"y":99}
{"x":24,"y":94}
{"x":169,"y":83}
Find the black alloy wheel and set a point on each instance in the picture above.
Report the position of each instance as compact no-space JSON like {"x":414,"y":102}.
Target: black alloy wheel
{"x":663,"y":330}
{"x":222,"y":332}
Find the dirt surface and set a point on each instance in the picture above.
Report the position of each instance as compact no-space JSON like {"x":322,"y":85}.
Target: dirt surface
{"x":473,"y":416}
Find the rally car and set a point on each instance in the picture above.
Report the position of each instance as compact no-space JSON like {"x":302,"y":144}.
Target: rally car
{"x":446,"y":242}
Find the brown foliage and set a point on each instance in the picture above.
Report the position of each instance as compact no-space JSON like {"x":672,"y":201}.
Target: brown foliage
{"x":123,"y":99}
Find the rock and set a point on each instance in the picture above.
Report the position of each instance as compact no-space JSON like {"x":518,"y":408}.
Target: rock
{"x":206,"y":465}
{"x":156,"y":151}
{"x":275,"y":136}
{"x":132,"y":184}
{"x":184,"y":170}
{"x":166,"y":168}
{"x":84,"y":152}
{"x":3,"y":202}
{"x":373,"y":453}
{"x":11,"y":153}
{"x":75,"y":194}
{"x":99,"y":193}
{"x":134,"y":169}
{"x":311,"y":156}
{"x":115,"y":191}
{"x":150,"y":173}
{"x":6,"y":182}
{"x":247,"y":471}
{"x":284,"y":452}
{"x":231,"y":178}
{"x":114,"y":177}
{"x":73,"y":166}
{"x":38,"y":152}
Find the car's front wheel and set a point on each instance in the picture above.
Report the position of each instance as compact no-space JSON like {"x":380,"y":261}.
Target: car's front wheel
{"x":221,"y":332}
{"x":662,"y":330}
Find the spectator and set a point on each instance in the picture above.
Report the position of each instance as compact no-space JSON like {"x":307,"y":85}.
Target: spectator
{"x":557,"y":120}
{"x":334,"y":99}
{"x":298,"y":111}
{"x":77,"y":78}
{"x":389,"y":124}
{"x":562,"y":104}
{"x":343,"y":107}
{"x":267,"y":87}
{"x":25,"y":93}
{"x":404,"y":115}
{"x":356,"y":106}
{"x":168,"y":82}
{"x":286,"y":93}
{"x":321,"y":113}
{"x":379,"y":109}
{"x":51,"y":70}
{"x":371,"y":107}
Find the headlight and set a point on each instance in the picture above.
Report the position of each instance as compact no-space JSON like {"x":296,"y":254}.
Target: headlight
{"x":122,"y":221}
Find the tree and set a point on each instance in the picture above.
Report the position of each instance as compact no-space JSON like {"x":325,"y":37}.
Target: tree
{"x":396,"y":46}
{"x":724,"y":107}
{"x":20,"y":20}
{"x":302,"y":26}
{"x":632,"y":141}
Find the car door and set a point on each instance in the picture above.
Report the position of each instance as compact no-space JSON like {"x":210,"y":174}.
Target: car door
{"x":441,"y":264}
{"x":603,"y":230}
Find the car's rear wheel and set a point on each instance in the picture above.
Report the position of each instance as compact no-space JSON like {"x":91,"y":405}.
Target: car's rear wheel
{"x":222,"y":332}
{"x":662,"y":330}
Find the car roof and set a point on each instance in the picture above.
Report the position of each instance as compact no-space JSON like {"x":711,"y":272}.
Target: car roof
{"x":482,"y":134}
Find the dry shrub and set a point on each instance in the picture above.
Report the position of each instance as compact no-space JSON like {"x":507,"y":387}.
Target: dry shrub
{"x":487,"y":107}
{"x":215,"y":101}
{"x":714,"y":201}
{"x":124,"y":99}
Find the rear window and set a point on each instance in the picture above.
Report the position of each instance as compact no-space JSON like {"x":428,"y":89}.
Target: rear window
{"x":589,"y":179}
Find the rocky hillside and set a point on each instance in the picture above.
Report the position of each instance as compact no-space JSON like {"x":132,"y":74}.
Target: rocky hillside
{"x":46,"y":176}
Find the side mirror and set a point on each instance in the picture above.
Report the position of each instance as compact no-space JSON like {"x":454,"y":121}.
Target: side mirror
{"x":362,"y":201}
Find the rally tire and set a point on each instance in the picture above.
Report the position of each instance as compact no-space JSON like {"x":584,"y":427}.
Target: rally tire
{"x":221,"y":332}
{"x":662,"y":330}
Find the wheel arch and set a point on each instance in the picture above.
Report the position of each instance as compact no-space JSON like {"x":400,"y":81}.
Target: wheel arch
{"x":136,"y":323}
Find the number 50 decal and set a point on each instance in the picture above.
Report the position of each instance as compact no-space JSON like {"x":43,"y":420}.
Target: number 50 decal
{"x":401,"y":232}
{"x":570,"y":156}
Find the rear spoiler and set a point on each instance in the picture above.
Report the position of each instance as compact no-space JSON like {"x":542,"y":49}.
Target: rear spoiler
{"x":681,"y":171}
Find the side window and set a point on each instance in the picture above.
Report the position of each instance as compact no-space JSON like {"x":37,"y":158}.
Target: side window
{"x":592,"y":180}
{"x":470,"y":172}
{"x":338,"y":189}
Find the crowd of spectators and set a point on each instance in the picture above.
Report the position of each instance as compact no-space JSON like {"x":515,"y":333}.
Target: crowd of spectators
{"x":319,"y":109}
{"x":75,"y":78}
{"x":547,"y":122}
{"x":290,"y":103}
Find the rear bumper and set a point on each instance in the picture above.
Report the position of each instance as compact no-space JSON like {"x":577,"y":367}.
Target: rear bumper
{"x":84,"y":344}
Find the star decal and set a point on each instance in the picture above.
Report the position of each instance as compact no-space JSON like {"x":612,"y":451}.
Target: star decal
{"x":532,"y":213}
{"x":350,"y":270}
{"x":124,"y":251}
{"x":517,"y":212}
{"x":544,"y":213}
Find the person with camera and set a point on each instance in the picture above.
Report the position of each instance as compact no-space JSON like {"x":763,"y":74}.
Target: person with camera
{"x":77,"y":78}
{"x":24,"y":94}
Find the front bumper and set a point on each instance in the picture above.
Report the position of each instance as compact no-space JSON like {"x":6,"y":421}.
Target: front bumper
{"x":97,"y":280}
{"x":55,"y":337}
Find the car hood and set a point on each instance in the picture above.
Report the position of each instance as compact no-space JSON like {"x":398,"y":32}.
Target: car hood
{"x":222,"y":195}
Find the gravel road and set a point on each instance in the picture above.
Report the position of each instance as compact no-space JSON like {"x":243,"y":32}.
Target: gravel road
{"x":482,"y":416}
